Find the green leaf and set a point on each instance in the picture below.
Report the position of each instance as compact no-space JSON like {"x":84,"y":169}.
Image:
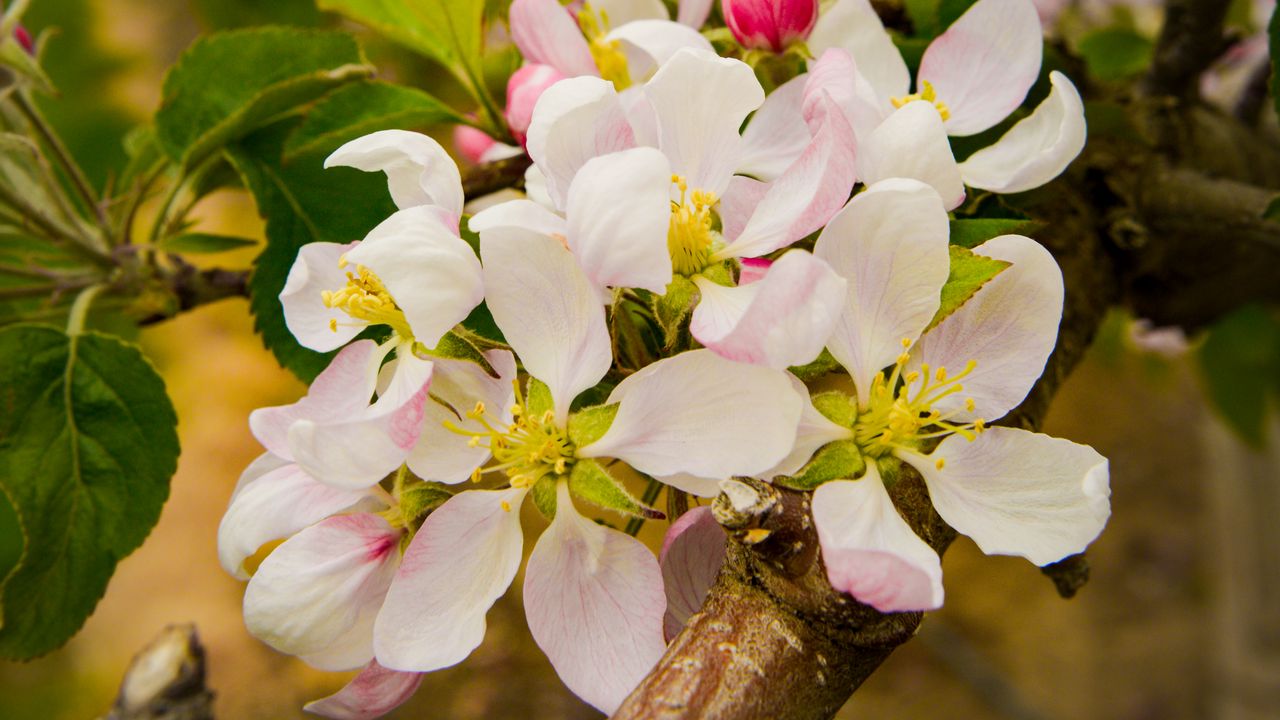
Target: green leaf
{"x":230,"y":84}
{"x":366,"y":107}
{"x":950,"y":10}
{"x":1115,"y":53}
{"x":673,"y":308}
{"x":924,"y":17}
{"x":204,"y":243}
{"x":301,"y":203}
{"x":590,"y":424}
{"x":453,"y":346}
{"x":971,"y":233}
{"x":825,"y":363}
{"x":87,"y":447}
{"x":969,"y":272}
{"x":12,"y":543}
{"x":840,"y":460}
{"x":1272,"y":212}
{"x":1240,"y":361}
{"x":591,"y":482}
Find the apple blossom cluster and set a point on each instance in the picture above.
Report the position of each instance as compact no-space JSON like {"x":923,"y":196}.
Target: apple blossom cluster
{"x":687,"y":247}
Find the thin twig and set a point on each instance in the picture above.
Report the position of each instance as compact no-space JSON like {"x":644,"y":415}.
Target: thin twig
{"x":78,"y":179}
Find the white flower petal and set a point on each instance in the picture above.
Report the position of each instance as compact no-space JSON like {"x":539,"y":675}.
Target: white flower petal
{"x":419,"y":170}
{"x":305,"y":314}
{"x":593,"y":597}
{"x":739,"y":204}
{"x":692,"y":484}
{"x":373,"y":693}
{"x":648,"y":44}
{"x":814,"y":431}
{"x":836,"y":75}
{"x":692,"y":554}
{"x":546,"y":33}
{"x":442,"y":455}
{"x":694,"y":12}
{"x":854,"y":26}
{"x":523,"y":214}
{"x":777,"y":133}
{"x":701,"y":414}
{"x":574,"y":121}
{"x":912,"y":143}
{"x":1019,"y":493}
{"x":890,"y":243}
{"x":1037,"y":149}
{"x":463,"y":558}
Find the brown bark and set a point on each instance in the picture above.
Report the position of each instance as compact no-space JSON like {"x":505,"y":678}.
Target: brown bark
{"x":165,"y":681}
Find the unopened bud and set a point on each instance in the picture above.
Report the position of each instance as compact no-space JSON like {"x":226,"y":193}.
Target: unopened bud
{"x":472,"y":144}
{"x":523,"y":90}
{"x":23,"y":36}
{"x":770,"y":24}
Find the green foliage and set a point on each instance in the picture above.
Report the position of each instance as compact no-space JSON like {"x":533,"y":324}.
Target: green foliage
{"x":837,"y":407}
{"x":1273,"y":43}
{"x":840,"y":460}
{"x":823,"y":364}
{"x":227,"y":14}
{"x":12,"y":542}
{"x":1273,"y":210}
{"x":230,"y":84}
{"x":1116,"y":53}
{"x":366,"y":107}
{"x":301,"y":203}
{"x":204,"y":243}
{"x":1240,"y":362}
{"x":673,"y":308}
{"x":87,"y":447}
{"x":969,"y":272}
{"x":453,"y":346}
{"x":591,"y":482}
{"x":970,"y":233}
{"x":590,"y":424}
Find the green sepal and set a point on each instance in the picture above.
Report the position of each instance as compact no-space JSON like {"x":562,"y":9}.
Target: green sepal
{"x":589,"y":481}
{"x":544,"y":496}
{"x":673,"y":308}
{"x":590,"y":424}
{"x":840,"y":460}
{"x":204,"y":243}
{"x":823,"y":364}
{"x":377,"y":106}
{"x":453,"y":346}
{"x":972,"y":232}
{"x":538,"y":398}
{"x":837,"y":407}
{"x":969,"y":272}
{"x":420,"y":498}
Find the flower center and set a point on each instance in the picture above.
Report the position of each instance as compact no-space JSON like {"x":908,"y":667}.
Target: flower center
{"x":690,"y":237}
{"x":364,"y":297}
{"x":900,"y":416}
{"x":527,"y":449}
{"x":607,"y":54}
{"x":927,"y":94}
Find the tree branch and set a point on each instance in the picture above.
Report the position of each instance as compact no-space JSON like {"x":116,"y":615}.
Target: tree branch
{"x":1192,"y":37}
{"x":492,"y":177}
{"x":166,"y":680}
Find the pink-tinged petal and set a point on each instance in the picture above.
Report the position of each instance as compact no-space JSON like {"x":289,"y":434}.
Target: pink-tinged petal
{"x":835,"y":76}
{"x":315,"y":271}
{"x":1037,"y":149}
{"x":739,"y":204}
{"x":787,"y":320}
{"x":619,"y":208}
{"x":777,"y":134}
{"x":1019,"y":493}
{"x":752,"y":270}
{"x":373,"y":693}
{"x":419,"y":171}
{"x":648,"y":44}
{"x":524,"y":88}
{"x":312,"y":589}
{"x":575,"y":120}
{"x":854,"y":26}
{"x":548,"y":310}
{"x":1008,"y":328}
{"x":806,"y":195}
{"x":351,"y":649}
{"x":984,"y":64}
{"x":692,"y":484}
{"x":890,"y":243}
{"x":433,"y":275}
{"x":814,"y":431}
{"x":701,"y":414}
{"x":471,"y":143}
{"x":692,"y":554}
{"x":693,"y":12}
{"x":274,"y":506}
{"x":463,"y":558}
{"x":593,"y":598}
{"x":258,"y":467}
{"x":442,"y":455}
{"x":519,"y":214}
{"x":547,"y":33}
{"x":700,"y":101}
{"x":343,"y":388}
{"x":912,"y":143}
{"x":625,"y":12}
{"x":356,"y":451}
{"x":869,"y":550}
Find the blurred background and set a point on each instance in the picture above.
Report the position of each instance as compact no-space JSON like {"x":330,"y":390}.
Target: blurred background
{"x":1179,"y":620}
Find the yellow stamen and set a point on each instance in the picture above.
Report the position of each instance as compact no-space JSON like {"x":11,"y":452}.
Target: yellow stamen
{"x":690,"y":237}
{"x":365,"y":298}
{"x":940,"y":463}
{"x":927,"y":94}
{"x":902,"y":415}
{"x":526,"y":450}
{"x":607,"y":54}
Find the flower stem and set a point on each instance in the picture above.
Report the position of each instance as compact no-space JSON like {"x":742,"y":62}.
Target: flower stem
{"x":78,"y":179}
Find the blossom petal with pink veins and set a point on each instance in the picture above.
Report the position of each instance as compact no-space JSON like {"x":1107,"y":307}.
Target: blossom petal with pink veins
{"x":1037,"y":149}
{"x":433,"y":275}
{"x":814,"y":431}
{"x":752,"y":269}
{"x":1019,"y":493}
{"x":835,"y":75}
{"x":804,"y":197}
{"x":786,"y":321}
{"x":693,"y":12}
{"x":619,"y":207}
{"x":777,"y":133}
{"x":419,"y":170}
{"x":984,"y":64}
{"x":648,"y":44}
{"x":312,"y":589}
{"x":1008,"y":327}
{"x":273,"y":506}
{"x":692,"y":554}
{"x":739,"y":203}
{"x":373,"y":693}
{"x":462,"y":559}
{"x":341,"y":389}
{"x":356,"y":451}
{"x":912,"y":143}
{"x":594,"y":601}
{"x":309,"y":320}
{"x":854,"y":26}
{"x":575,"y":120}
{"x":701,"y":414}
{"x":522,"y":214}
{"x":700,"y":101}
{"x":442,"y":455}
{"x":890,"y":243}
{"x":547,"y":33}
{"x":548,"y":310}
{"x":869,"y":550}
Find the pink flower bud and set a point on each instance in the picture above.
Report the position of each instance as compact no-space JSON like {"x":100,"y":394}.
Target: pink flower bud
{"x":471,"y":144}
{"x":523,"y":90}
{"x":23,"y":36}
{"x":770,"y":24}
